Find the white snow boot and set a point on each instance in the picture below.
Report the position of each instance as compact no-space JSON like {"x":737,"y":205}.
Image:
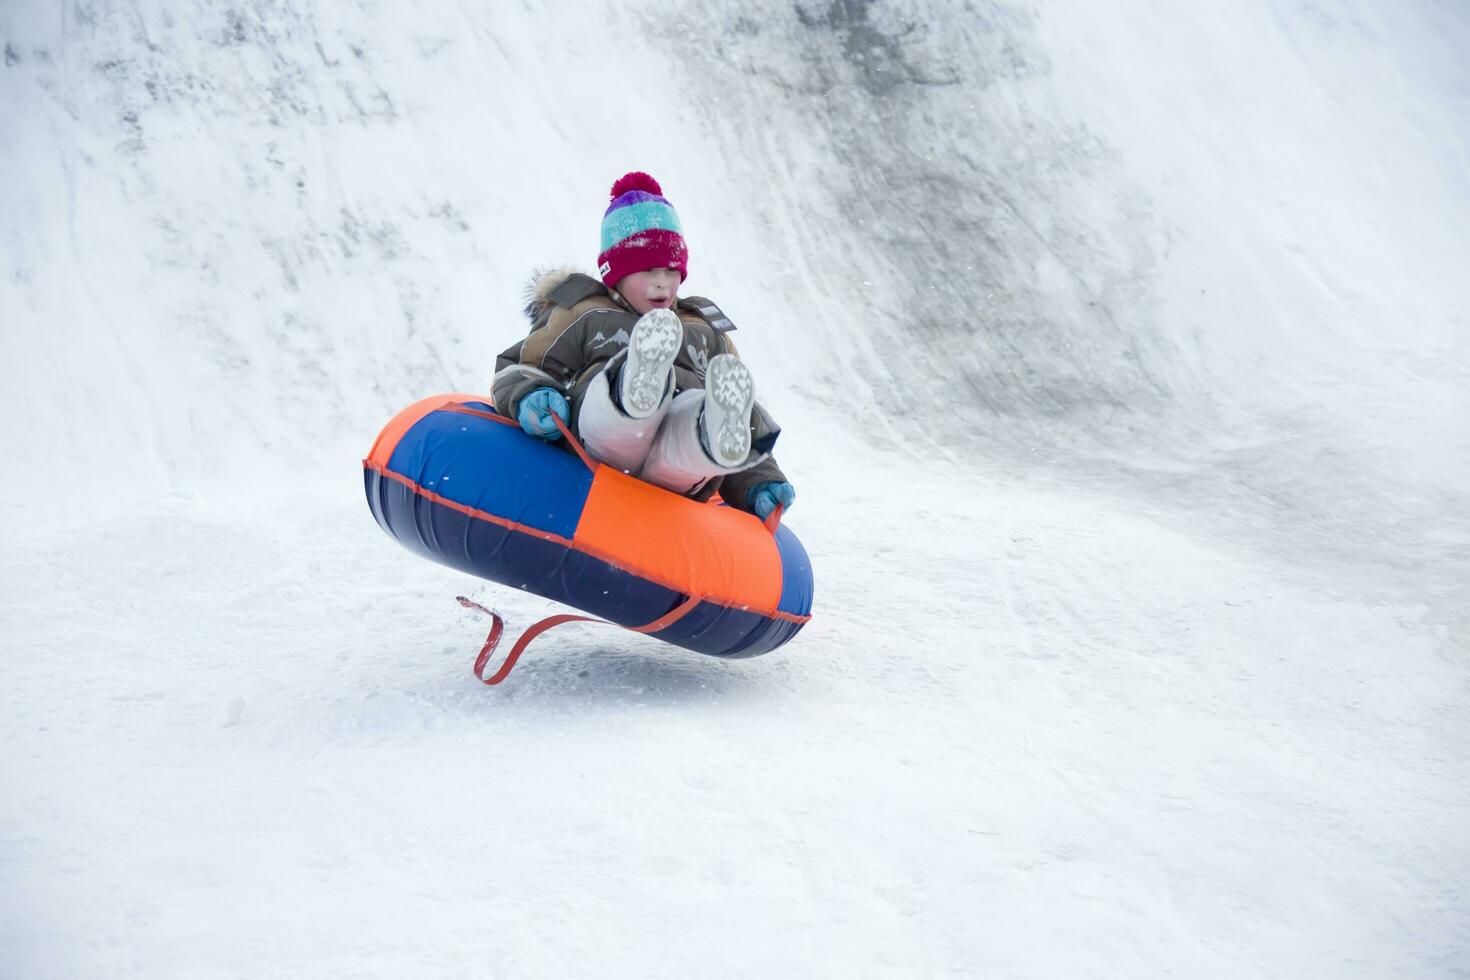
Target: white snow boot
{"x":729,"y":394}
{"x":645,"y":376}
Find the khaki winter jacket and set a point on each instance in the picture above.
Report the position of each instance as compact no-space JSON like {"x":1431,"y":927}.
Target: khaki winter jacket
{"x":578,"y":326}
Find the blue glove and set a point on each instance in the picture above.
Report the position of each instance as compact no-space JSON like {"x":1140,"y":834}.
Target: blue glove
{"x":536,"y":411}
{"x":765,"y":496}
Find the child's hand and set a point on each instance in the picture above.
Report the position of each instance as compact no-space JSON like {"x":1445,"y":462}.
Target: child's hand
{"x":537,"y":410}
{"x":765,"y":496}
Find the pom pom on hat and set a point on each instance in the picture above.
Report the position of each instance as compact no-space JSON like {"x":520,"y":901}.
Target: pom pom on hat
{"x":640,"y":231}
{"x":637,"y":180}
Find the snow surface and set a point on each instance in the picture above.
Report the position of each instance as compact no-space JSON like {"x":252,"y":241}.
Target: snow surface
{"x":1121,"y":350}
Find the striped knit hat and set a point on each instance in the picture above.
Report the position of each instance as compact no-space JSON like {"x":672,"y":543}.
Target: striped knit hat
{"x":640,"y":231}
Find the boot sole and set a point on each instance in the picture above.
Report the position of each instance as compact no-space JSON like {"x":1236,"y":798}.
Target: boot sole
{"x":651,"y":353}
{"x":729,"y":393}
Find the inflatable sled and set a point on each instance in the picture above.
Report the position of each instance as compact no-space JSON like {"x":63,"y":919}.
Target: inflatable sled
{"x":459,"y":484}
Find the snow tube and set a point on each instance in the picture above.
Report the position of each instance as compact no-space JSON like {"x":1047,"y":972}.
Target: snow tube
{"x":453,"y":482}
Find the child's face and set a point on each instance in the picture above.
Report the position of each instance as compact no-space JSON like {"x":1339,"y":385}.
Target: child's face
{"x":651,"y":290}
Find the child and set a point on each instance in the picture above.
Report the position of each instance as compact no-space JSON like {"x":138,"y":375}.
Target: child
{"x":650,"y":383}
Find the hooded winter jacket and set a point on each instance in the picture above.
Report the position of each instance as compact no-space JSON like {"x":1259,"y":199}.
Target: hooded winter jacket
{"x":578,"y":325}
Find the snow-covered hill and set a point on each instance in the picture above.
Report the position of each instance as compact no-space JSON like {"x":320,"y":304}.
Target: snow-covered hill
{"x":1121,"y":354}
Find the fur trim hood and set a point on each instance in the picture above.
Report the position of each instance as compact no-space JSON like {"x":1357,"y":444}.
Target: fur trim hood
{"x":543,"y":282}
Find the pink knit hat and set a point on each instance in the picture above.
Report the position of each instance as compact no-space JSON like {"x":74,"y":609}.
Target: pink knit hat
{"x":640,"y":231}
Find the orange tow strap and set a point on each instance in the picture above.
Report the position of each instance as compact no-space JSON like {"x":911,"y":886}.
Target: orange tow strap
{"x":497,"y":627}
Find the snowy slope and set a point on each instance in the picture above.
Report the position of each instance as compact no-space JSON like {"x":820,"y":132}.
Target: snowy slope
{"x":1121,"y":356}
